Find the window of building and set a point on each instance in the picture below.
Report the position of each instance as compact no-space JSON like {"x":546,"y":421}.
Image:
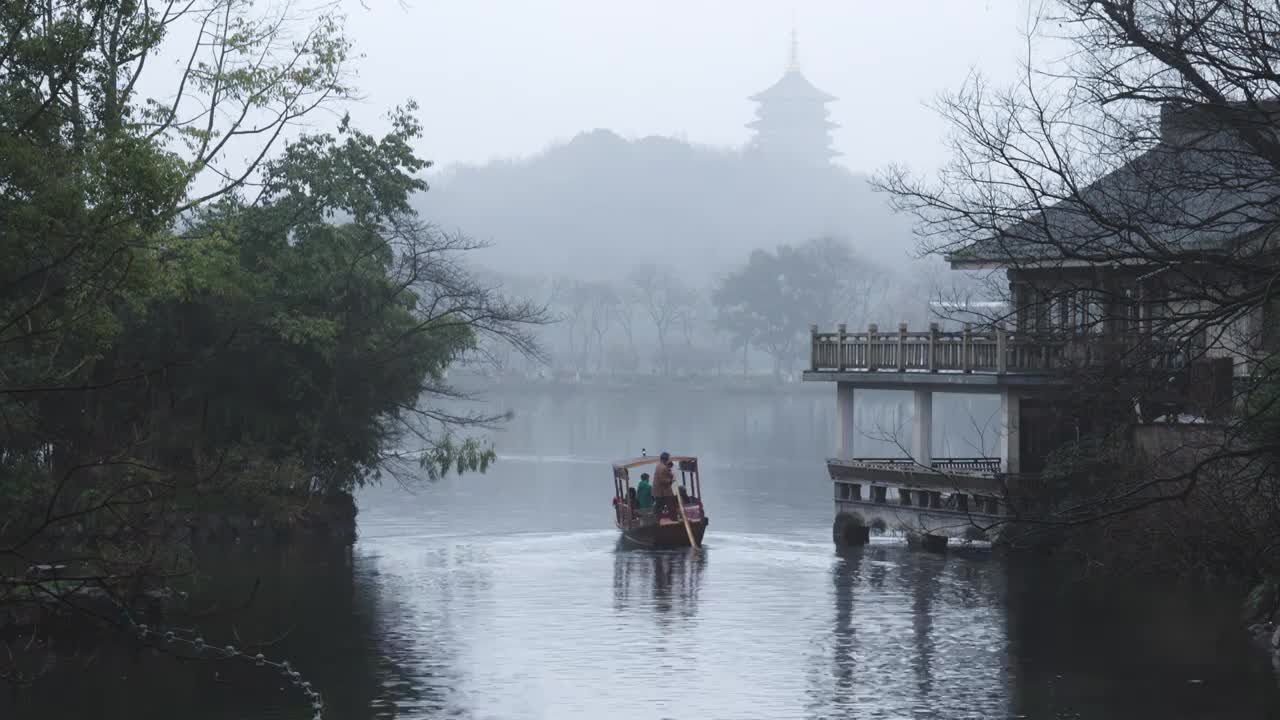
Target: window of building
{"x":1130,"y":312}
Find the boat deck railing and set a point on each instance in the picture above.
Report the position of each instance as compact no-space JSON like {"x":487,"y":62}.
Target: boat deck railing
{"x":630,"y":517}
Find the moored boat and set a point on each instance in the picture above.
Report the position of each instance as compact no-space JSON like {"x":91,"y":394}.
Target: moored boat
{"x":678,"y":524}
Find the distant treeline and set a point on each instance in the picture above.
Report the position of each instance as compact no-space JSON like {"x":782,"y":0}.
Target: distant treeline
{"x":753,"y":319}
{"x":600,"y":204}
{"x":661,"y":257}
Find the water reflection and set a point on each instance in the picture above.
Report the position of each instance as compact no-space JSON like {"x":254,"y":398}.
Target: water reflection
{"x":907,"y":641}
{"x":506,"y":596}
{"x":923,"y":588}
{"x":305,"y":607}
{"x":1123,"y":651}
{"x":414,"y":598}
{"x":664,"y":582}
{"x":845,"y":575}
{"x":538,"y":626}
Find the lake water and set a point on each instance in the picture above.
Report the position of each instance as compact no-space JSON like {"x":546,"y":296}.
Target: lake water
{"x":506,"y":596}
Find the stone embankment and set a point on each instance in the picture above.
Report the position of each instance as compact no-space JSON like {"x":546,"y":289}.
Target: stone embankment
{"x":317,"y":520}
{"x":279,"y":521}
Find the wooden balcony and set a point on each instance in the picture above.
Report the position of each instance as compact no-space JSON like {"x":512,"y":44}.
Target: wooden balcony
{"x":987,"y":352}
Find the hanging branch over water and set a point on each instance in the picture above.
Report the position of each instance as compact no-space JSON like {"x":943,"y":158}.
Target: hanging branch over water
{"x":194,"y":313}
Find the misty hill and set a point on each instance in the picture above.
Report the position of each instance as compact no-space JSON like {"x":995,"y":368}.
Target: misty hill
{"x":600,"y":201}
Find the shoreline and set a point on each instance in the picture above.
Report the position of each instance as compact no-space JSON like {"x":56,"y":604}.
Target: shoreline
{"x":292,"y":521}
{"x":617,"y":383}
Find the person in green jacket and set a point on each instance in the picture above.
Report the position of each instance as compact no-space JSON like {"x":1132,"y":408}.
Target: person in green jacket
{"x":644,"y":493}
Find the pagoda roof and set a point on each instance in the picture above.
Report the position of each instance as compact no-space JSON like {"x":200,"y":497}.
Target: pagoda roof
{"x":792,"y":86}
{"x":761,"y":123}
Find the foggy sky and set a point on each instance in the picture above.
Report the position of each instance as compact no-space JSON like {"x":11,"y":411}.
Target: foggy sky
{"x":505,"y":78}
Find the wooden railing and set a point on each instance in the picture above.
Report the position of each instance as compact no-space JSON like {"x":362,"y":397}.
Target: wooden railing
{"x":980,"y":476}
{"x":976,"y":465}
{"x":943,"y":465}
{"x":970,"y":351}
{"x":899,"y":482}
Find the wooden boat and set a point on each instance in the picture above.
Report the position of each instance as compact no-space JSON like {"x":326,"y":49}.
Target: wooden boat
{"x":645,"y":527}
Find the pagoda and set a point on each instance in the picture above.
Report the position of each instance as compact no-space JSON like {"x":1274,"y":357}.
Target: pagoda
{"x":792,"y":124}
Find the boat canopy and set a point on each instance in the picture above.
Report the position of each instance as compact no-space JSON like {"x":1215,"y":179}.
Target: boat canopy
{"x":651,"y":460}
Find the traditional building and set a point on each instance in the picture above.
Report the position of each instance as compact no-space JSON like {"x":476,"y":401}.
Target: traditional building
{"x":792,"y":124}
{"x":1111,"y":287}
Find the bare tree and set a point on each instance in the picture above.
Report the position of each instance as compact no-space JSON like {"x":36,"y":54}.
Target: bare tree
{"x":572,"y":305}
{"x":430,"y":271}
{"x":625,"y":313}
{"x":1128,"y":196}
{"x":662,"y":294}
{"x":604,"y":308}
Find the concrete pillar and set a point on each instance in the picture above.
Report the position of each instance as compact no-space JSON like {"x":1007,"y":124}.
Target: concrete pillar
{"x":1010,"y":419}
{"x":844,"y":421}
{"x":849,"y":530}
{"x":922,"y":429}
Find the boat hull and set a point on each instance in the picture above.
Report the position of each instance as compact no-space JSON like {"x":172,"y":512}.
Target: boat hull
{"x":671,"y":535}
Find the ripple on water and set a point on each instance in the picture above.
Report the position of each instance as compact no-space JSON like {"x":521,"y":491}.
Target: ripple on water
{"x":571,"y":625}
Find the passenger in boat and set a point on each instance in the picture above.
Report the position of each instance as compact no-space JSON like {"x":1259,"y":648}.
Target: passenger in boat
{"x":644,"y":493}
{"x":663,"y":480}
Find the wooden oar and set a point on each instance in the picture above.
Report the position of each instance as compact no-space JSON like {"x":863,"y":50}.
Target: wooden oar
{"x":688,"y":530}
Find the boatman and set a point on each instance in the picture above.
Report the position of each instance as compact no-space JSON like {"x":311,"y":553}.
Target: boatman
{"x":663,"y":480}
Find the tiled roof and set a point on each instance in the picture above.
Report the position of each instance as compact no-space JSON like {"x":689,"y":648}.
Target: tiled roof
{"x":792,"y":86}
{"x":1203,"y":193}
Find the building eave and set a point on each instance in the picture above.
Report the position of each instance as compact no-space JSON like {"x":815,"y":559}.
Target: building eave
{"x":793,"y":85}
{"x":961,"y":262}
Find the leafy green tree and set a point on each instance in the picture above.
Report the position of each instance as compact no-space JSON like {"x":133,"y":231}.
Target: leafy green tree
{"x":172,"y":333}
{"x":95,"y":174}
{"x":771,"y":300}
{"x":310,"y":343}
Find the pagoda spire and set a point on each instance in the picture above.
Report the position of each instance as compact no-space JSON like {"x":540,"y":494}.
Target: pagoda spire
{"x":792,"y":125}
{"x":793,"y":62}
